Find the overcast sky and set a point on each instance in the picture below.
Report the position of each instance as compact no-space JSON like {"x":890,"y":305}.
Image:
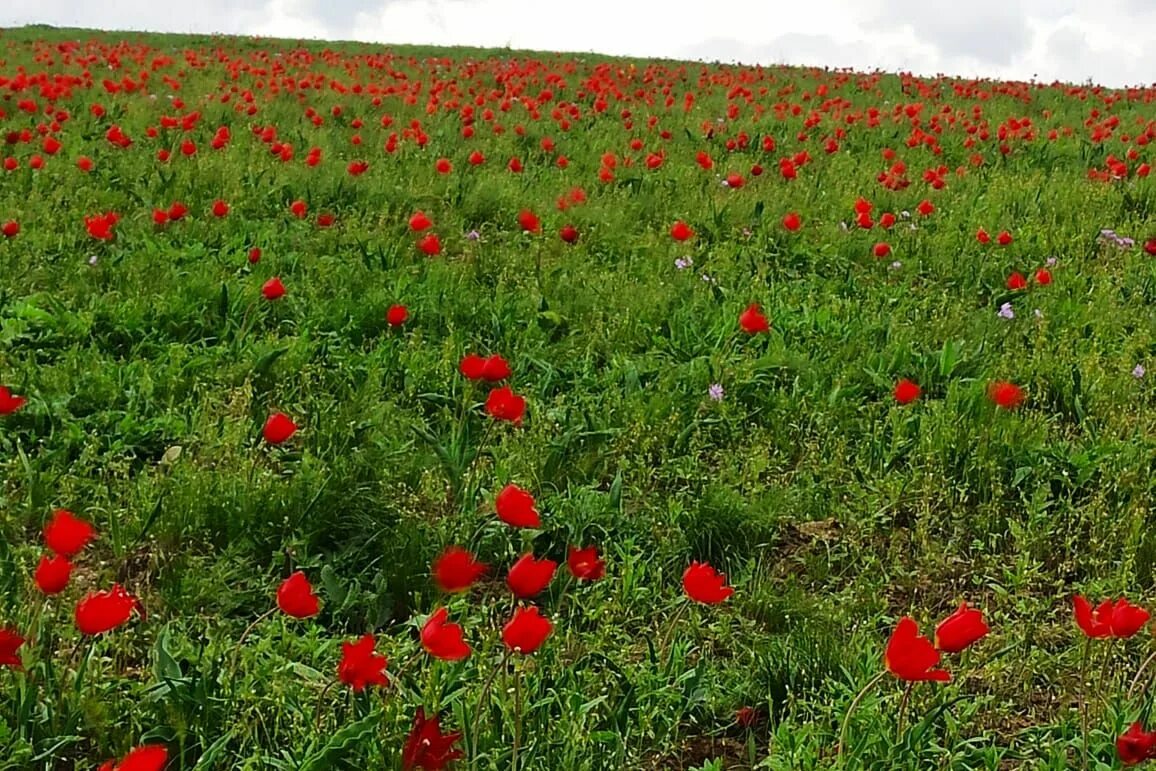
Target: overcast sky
{"x":1071,"y":40}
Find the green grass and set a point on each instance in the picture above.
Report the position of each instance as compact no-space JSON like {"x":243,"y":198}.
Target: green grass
{"x":151,"y":362}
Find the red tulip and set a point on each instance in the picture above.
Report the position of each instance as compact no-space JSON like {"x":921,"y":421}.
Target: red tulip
{"x":753,"y":321}
{"x":150,"y":757}
{"x":419,"y":222}
{"x":9,"y":403}
{"x":1136,"y":745}
{"x":515,"y":507}
{"x":426,"y":747}
{"x":177,"y":211}
{"x":456,"y":570}
{"x":792,"y":221}
{"x":1109,"y":619}
{"x":881,"y":250}
{"x":442,"y":639}
{"x":10,"y":229}
{"x":278,"y":428}
{"x":396,"y":315}
{"x":299,"y":209}
{"x":585,"y":564}
{"x":430,"y":245}
{"x":959,"y":630}
{"x":982,"y":236}
{"x":495,"y":368}
{"x":472,"y":366}
{"x":1006,"y":395}
{"x":569,"y":234}
{"x":220,"y":208}
{"x":296,"y":598}
{"x":925,"y":207}
{"x":1016,"y":281}
{"x":443,"y":166}
{"x":360,"y":667}
{"x":529,"y":221}
{"x":1004,"y":238}
{"x":273,"y":289}
{"x":10,"y":642}
{"x":906,"y":391}
{"x":1043,"y":277}
{"x":529,"y":577}
{"x":52,"y":574}
{"x":100,"y":612}
{"x":910,"y":656}
{"x":66,"y":534}
{"x":526,"y":631}
{"x":704,"y":584}
{"x":254,"y":255}
{"x":504,"y":404}
{"x":680,"y":231}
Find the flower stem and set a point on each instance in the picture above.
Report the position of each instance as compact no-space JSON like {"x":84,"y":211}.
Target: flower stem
{"x":666,"y":638}
{"x":851,"y":709}
{"x":1085,"y":660}
{"x":481,"y":703}
{"x":903,"y":711}
{"x":517,"y":716}
{"x":1136,"y":680}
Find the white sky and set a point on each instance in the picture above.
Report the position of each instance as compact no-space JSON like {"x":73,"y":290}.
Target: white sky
{"x":1071,"y":40}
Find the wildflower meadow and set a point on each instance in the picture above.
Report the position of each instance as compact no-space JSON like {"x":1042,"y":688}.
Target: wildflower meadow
{"x":373,"y":407}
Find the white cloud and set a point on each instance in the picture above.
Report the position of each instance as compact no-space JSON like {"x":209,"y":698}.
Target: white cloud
{"x":1051,"y":39}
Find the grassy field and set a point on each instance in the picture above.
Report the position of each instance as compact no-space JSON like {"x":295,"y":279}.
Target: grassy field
{"x":662,"y":423}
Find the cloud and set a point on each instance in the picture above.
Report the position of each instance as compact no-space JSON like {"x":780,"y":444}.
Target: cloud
{"x":1051,"y":39}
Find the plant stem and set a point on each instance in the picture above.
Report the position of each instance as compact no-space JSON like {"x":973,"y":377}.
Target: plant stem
{"x":320,"y":699}
{"x":481,"y":703}
{"x":851,"y":709}
{"x":903,"y":711}
{"x":1086,"y":658}
{"x":1136,"y":680}
{"x":670,"y":629}
{"x":517,"y":716}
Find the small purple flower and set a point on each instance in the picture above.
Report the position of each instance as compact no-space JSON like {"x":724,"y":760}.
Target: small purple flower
{"x":1051,"y":262}
{"x":1107,"y":233}
{"x":715,"y":392}
{"x":1138,"y":371}
{"x":708,"y":279}
{"x":1006,"y":312}
{"x":1125,"y":242}
{"x":682,"y":263}
{"x":473,"y":235}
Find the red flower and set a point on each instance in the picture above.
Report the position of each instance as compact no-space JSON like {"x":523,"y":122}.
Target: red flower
{"x":792,"y":221}
{"x":753,"y":321}
{"x":419,"y":222}
{"x":456,"y":570}
{"x":325,"y":220}
{"x":52,"y":574}
{"x":529,"y":221}
{"x":959,"y":630}
{"x":1006,"y":395}
{"x":912,"y":657}
{"x":529,"y":577}
{"x":360,"y":667}
{"x":704,"y":584}
{"x":1109,"y":619}
{"x":472,"y":366}
{"x":982,"y":236}
{"x":296,"y":598}
{"x":1043,"y":277}
{"x":504,"y":404}
{"x":1136,"y":745}
{"x":442,"y":639}
{"x":906,"y":391}
{"x":66,"y":534}
{"x":1004,"y":238}
{"x":735,"y":181}
{"x":443,"y":166}
{"x":526,"y":631}
{"x":1150,"y":246}
{"x":426,"y":747}
{"x":476,"y":158}
{"x":881,"y":249}
{"x":680,"y":231}
{"x":1016,"y":281}
{"x":51,"y":145}
{"x":495,"y":368}
{"x":101,"y":612}
{"x":585,"y":564}
{"x":396,"y":315}
{"x":100,"y":226}
{"x":273,"y":289}
{"x":10,"y":642}
{"x":84,"y":163}
{"x":254,"y":255}
{"x":430,"y":245}
{"x":160,"y":216}
{"x":220,"y":208}
{"x":278,"y":428}
{"x":10,"y":228}
{"x":569,"y":234}
{"x":299,"y":209}
{"x":150,"y":757}
{"x":925,"y":207}
{"x":886,"y":220}
{"x":746,"y":716}
{"x":515,"y":507}
{"x":10,"y":403}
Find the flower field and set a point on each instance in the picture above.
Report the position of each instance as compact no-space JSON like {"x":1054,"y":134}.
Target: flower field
{"x":374,"y":408}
